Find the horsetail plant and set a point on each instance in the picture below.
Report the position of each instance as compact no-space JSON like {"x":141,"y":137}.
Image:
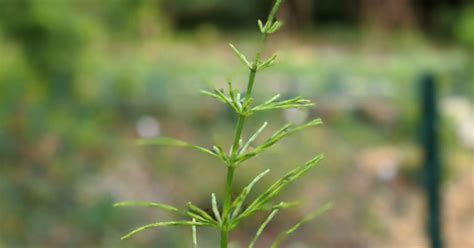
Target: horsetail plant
{"x":229,"y":216}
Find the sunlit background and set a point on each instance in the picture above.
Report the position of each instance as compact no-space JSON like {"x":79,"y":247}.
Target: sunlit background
{"x":81,"y":80}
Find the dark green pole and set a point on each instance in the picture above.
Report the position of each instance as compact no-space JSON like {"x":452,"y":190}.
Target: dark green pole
{"x":432,"y":165}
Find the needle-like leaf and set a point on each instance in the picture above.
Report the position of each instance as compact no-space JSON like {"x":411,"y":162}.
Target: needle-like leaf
{"x":287,"y":130}
{"x":215,"y":208}
{"x":269,"y":62}
{"x":285,"y":205}
{"x":219,"y":95}
{"x":163,"y":224}
{"x":262,"y":227}
{"x":148,"y":204}
{"x":164,"y":141}
{"x":271,"y":100}
{"x":203,"y":214}
{"x":195,"y":242}
{"x":273,"y":12}
{"x":228,"y":100}
{"x":241,"y":56}
{"x":275,"y":27}
{"x":261,"y":27}
{"x":284,"y":235}
{"x":233,"y":100}
{"x":297,"y":102}
{"x":279,"y":185}
{"x":239,"y":201}
{"x":221,"y":154}
{"x":253,"y":138}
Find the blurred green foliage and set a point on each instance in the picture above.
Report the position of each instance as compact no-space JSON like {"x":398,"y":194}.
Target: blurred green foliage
{"x":75,"y":76}
{"x":465,"y":28}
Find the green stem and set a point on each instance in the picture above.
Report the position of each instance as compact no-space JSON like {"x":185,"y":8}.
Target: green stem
{"x":241,"y":121}
{"x":228,"y":193}
{"x":231,"y":167}
{"x":252,"y":75}
{"x":237,"y":137}
{"x":238,"y":134}
{"x":227,"y":205}
{"x":224,"y":238}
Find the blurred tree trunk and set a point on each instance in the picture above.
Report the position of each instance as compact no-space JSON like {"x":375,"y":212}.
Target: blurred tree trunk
{"x":299,"y":13}
{"x":428,"y":11}
{"x":388,"y":15}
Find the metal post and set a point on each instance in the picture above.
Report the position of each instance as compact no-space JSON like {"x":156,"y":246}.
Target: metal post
{"x":432,"y":160}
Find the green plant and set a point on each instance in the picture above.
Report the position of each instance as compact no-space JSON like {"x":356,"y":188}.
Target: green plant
{"x":228,"y":217}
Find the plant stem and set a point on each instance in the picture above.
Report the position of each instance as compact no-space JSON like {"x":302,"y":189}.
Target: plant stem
{"x":231,"y":167}
{"x":252,"y":75}
{"x":241,"y":121}
{"x":224,"y":238}
{"x":227,"y":205}
{"x":237,"y":137}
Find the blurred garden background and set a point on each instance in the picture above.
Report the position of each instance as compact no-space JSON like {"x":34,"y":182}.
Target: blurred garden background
{"x":81,"y":80}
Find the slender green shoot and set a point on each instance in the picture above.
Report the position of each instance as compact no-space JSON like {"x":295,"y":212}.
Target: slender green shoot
{"x":227,"y":217}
